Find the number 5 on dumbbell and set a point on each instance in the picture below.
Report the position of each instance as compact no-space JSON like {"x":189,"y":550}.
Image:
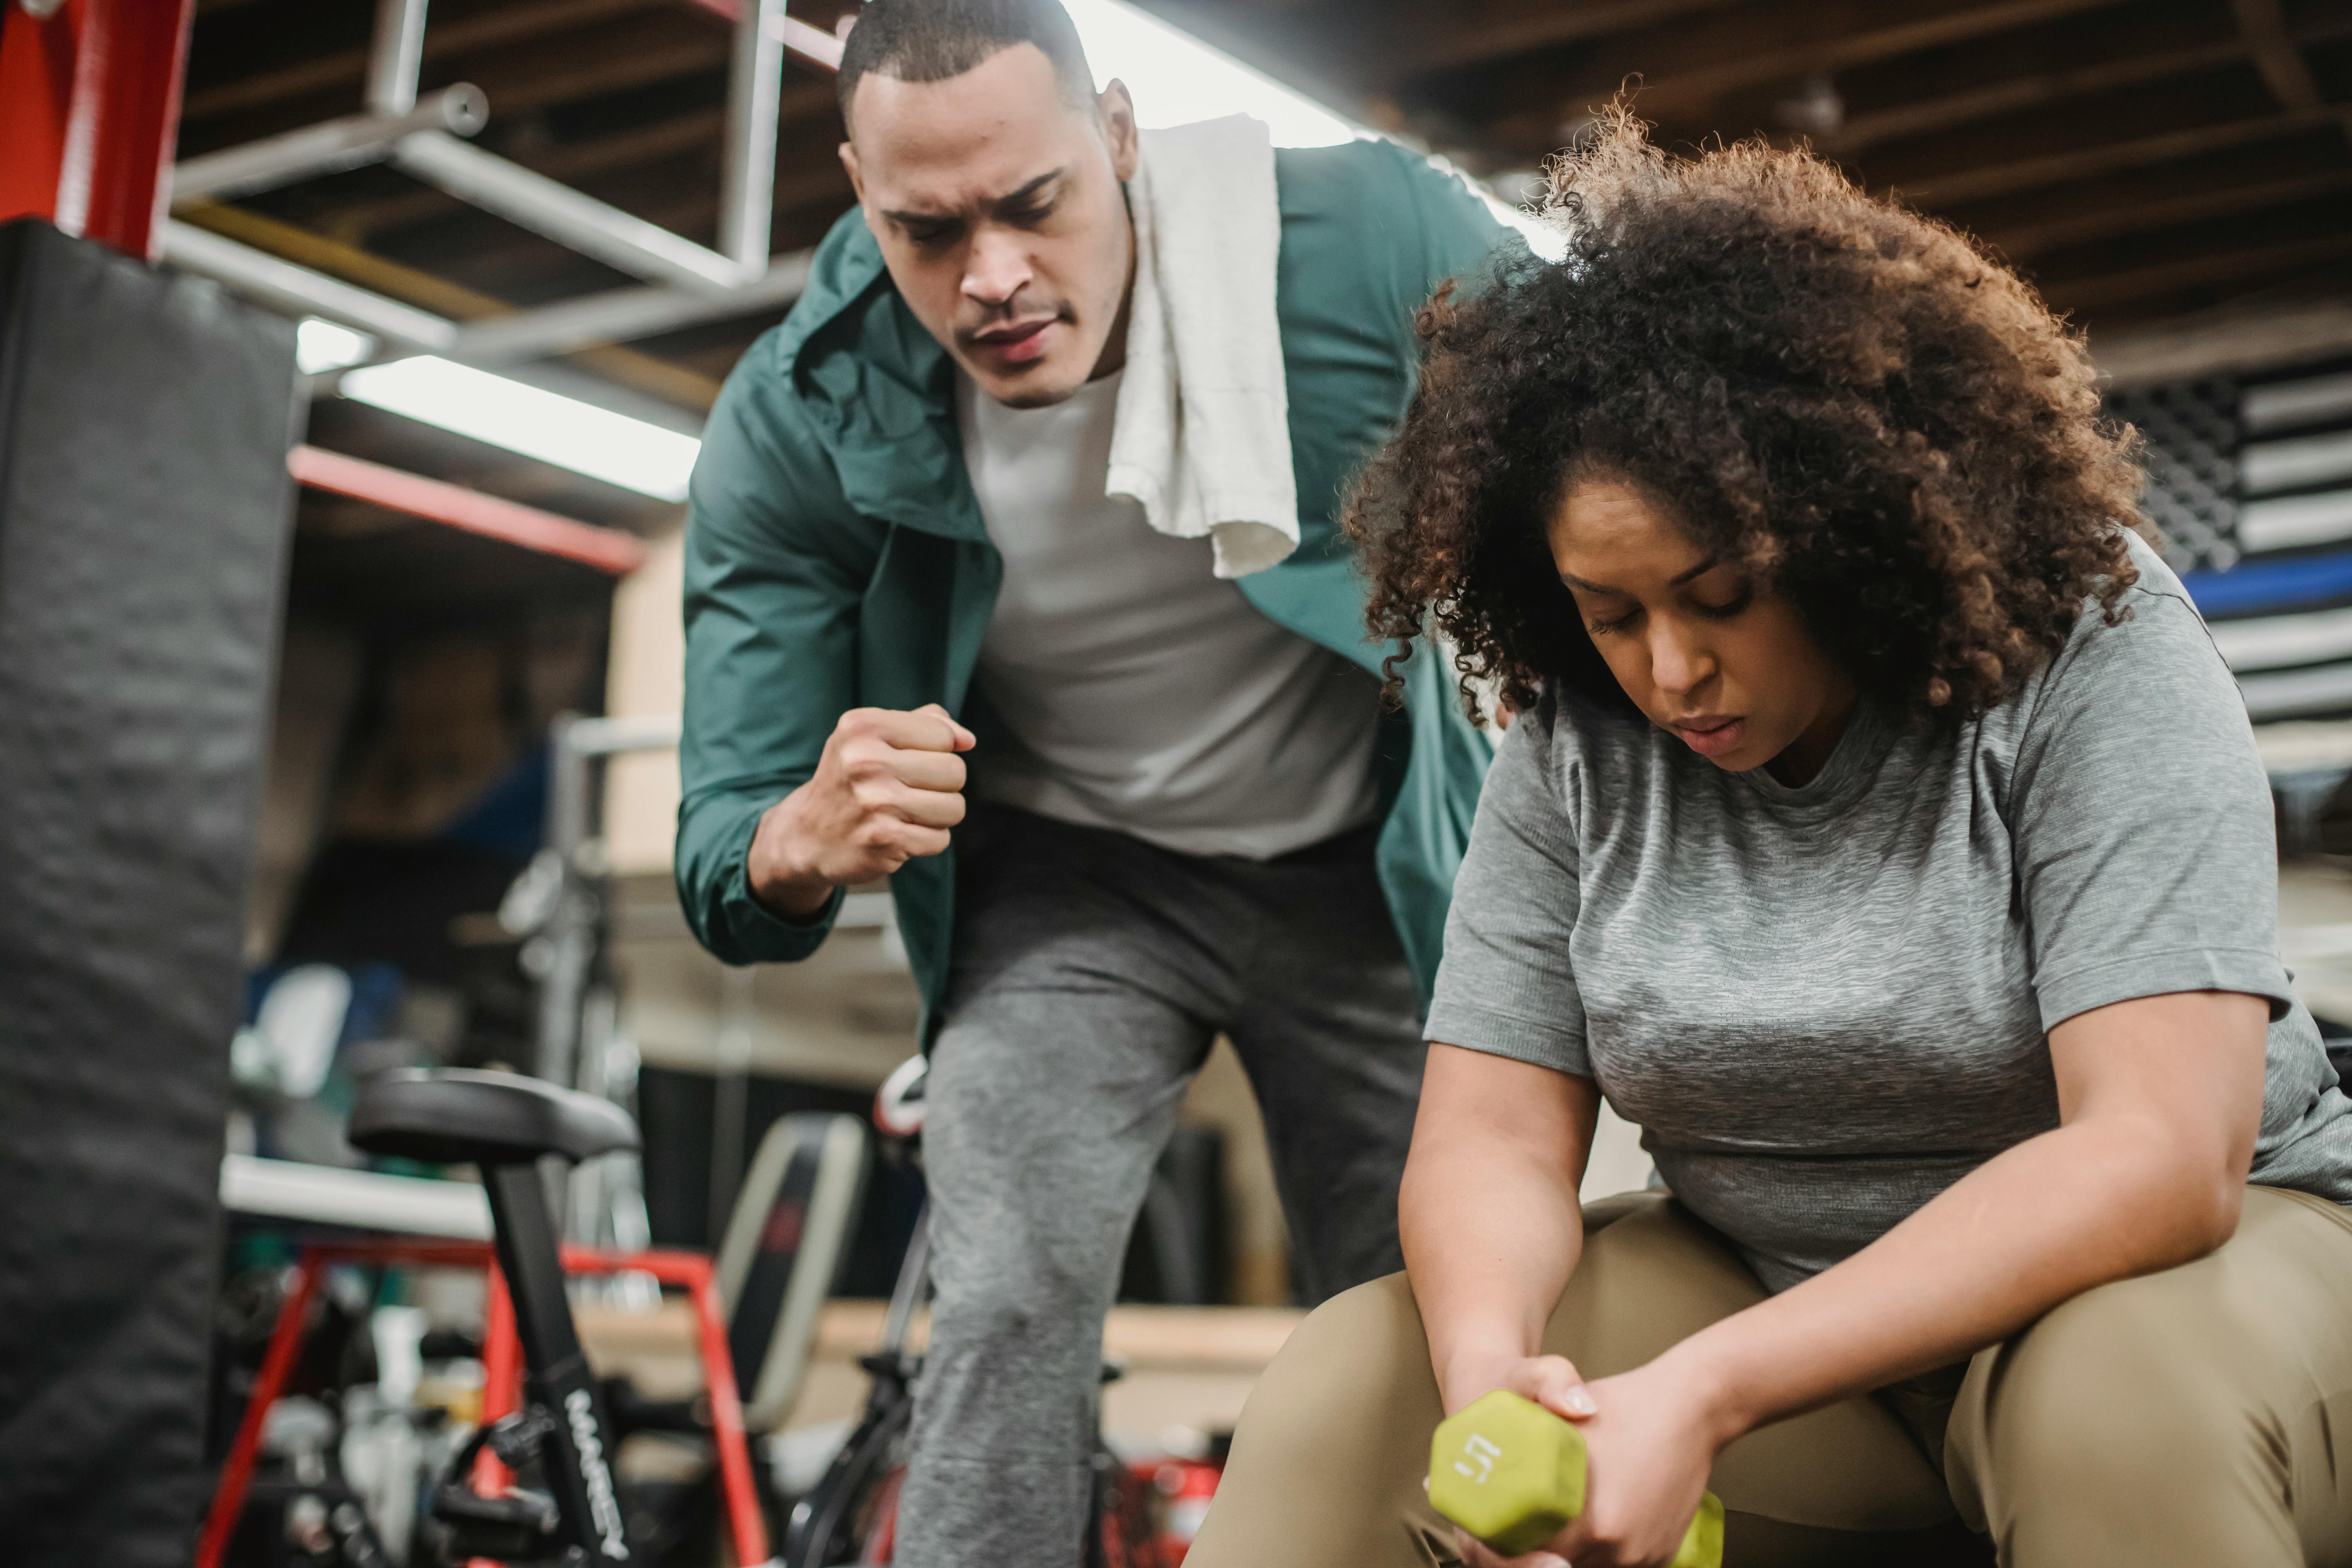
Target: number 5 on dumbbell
{"x":1512,"y":1474}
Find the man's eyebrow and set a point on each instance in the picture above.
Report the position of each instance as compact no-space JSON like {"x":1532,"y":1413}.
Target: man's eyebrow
{"x":1028,"y":192}
{"x":1016,"y":198}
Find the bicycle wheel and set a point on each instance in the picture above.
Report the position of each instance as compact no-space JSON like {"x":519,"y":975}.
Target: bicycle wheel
{"x":853,"y":1510}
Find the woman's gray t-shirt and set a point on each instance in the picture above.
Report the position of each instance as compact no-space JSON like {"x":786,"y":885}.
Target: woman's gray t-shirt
{"x":1825,"y":1004}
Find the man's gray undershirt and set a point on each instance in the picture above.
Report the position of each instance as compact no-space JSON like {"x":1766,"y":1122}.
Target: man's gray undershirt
{"x":1826,"y":1005}
{"x":1141,"y":692}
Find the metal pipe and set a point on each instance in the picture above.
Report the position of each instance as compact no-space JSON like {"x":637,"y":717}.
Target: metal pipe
{"x":298,"y":291}
{"x":748,"y":182}
{"x":813,"y":45}
{"x":629,"y":732}
{"x":548,"y":208}
{"x":618,"y":315}
{"x":326,"y":148}
{"x":606,"y":548}
{"x":397,"y":56}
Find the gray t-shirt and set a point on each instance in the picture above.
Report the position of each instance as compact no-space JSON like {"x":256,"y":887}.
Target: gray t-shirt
{"x":1823,"y":1006}
{"x":1138,"y":690}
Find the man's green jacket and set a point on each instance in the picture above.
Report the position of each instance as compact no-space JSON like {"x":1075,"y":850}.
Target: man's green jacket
{"x":835,"y":557}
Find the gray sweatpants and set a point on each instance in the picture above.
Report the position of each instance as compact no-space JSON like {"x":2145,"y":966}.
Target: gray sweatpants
{"x":1092,"y":973}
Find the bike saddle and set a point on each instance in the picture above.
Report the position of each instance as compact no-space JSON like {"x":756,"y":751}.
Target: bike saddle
{"x":449,"y":1115}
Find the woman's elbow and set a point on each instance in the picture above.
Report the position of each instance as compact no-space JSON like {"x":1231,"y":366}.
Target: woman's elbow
{"x":2209,"y":1214}
{"x":2189,"y":1199}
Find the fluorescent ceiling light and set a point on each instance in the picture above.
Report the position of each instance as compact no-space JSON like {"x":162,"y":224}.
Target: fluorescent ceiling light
{"x":324,"y":345}
{"x":1176,"y":79}
{"x":538,"y":423}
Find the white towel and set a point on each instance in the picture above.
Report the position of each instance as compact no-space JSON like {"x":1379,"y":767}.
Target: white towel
{"x":1202,"y":437}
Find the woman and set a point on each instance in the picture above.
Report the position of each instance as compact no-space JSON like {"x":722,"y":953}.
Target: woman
{"x":1881,"y":831}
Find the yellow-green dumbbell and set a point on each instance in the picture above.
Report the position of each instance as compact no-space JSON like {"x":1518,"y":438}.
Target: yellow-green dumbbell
{"x":1512,"y":1474}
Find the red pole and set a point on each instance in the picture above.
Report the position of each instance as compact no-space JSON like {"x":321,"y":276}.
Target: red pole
{"x":744,"y":1520}
{"x":89,"y":111}
{"x":285,"y":1343}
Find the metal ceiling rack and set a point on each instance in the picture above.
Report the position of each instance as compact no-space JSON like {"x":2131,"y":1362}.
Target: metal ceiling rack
{"x":424,"y":136}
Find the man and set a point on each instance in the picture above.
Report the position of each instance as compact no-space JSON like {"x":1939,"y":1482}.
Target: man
{"x":907,"y":589}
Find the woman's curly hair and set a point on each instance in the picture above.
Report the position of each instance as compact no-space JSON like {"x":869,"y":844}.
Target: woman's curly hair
{"x":1878,"y":420}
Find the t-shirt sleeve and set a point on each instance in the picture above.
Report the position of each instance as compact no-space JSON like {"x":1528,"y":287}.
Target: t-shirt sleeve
{"x":2141,"y":817}
{"x":1505,"y":983}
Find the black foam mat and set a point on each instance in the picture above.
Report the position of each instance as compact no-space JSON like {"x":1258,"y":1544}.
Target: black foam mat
{"x":144,"y":511}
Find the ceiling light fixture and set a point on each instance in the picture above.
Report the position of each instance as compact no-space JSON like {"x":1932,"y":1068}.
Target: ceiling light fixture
{"x":321,"y":345}
{"x":1176,"y":79}
{"x":535,"y":422}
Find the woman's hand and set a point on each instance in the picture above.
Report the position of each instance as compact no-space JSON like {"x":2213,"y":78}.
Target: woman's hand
{"x":1651,"y":1435}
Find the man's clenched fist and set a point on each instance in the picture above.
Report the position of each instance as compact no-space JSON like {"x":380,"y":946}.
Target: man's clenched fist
{"x":888,"y":789}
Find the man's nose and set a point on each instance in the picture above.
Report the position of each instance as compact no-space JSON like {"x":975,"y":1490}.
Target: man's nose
{"x":996,"y":268}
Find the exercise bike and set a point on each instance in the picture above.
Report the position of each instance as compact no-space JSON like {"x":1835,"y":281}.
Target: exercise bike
{"x":565,"y":1509}
{"x":561,"y":1439}
{"x":851,"y":1516}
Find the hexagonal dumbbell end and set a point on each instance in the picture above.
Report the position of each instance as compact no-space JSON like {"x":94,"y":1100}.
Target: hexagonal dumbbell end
{"x":1512,"y":1474}
{"x":1508,"y":1470}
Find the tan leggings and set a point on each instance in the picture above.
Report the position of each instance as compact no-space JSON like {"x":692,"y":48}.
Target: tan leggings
{"x":2189,"y":1417}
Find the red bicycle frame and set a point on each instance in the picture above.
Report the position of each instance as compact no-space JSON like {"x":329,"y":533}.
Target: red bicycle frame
{"x":502,"y":1372}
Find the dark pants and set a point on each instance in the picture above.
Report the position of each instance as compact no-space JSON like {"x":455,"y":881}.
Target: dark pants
{"x":1093,"y":972}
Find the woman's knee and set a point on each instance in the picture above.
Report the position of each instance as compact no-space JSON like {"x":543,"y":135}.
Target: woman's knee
{"x":2090,"y":1405}
{"x":1353,"y":1373}
{"x":1327,"y":1462}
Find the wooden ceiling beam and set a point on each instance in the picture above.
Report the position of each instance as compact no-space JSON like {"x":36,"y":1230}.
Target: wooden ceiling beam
{"x":2025,"y":217}
{"x":348,"y":68}
{"x":1926,"y":116}
{"x":1919,"y":114}
{"x":1945,"y":191}
{"x":1433,"y":35}
{"x":2105,"y":292}
{"x":2194,"y":204}
{"x":584,"y":65}
{"x":2264,"y":27}
{"x":1686,"y":67}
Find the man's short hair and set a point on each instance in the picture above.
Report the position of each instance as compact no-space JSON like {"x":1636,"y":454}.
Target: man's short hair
{"x":931,"y":40}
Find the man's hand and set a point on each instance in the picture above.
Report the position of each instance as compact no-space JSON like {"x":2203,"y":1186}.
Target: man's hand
{"x":888,"y":789}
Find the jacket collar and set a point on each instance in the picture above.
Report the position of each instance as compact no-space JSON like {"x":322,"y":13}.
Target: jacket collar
{"x":878,"y":389}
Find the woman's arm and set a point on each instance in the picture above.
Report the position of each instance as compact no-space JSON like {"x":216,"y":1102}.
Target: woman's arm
{"x":1490,"y":1216}
{"x":2159,"y":1101}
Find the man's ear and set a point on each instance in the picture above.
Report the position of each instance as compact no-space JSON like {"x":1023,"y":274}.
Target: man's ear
{"x":1119,"y":129}
{"x":857,"y":178}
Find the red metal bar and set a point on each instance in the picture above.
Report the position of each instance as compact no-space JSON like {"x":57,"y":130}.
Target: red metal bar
{"x":745,"y":1522}
{"x":502,"y":1371}
{"x":36,"y":79}
{"x":117,"y":176}
{"x":90,"y":109}
{"x":502,"y":1380}
{"x":285,"y":1344}
{"x":606,"y":548}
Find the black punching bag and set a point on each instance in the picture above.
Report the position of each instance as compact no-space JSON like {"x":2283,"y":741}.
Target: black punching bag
{"x":144,"y":510}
